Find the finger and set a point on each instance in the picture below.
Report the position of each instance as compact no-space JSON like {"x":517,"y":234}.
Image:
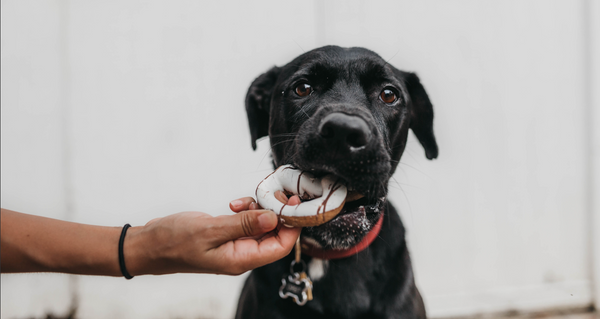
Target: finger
{"x":279,"y":246}
{"x":254,"y":206}
{"x":241,"y":204}
{"x":294,"y":200}
{"x":280,"y":196}
{"x":244,"y":224}
{"x":248,"y":254}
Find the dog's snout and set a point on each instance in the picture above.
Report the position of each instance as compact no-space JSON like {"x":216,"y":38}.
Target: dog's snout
{"x":345,"y":130}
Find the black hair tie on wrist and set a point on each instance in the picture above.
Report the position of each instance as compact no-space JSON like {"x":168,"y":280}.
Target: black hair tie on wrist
{"x":121,"y":256}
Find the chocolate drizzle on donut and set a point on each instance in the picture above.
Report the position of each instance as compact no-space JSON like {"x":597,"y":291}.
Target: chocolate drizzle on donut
{"x":285,"y":168}
{"x":334,"y":188}
{"x":281,"y":210}
{"x":298,"y":184}
{"x":264,"y":179}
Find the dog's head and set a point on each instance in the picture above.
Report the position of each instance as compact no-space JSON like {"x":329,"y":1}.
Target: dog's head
{"x":342,"y":111}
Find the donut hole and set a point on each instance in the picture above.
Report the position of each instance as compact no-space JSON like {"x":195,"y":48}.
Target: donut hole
{"x":303,"y":198}
{"x":285,"y":196}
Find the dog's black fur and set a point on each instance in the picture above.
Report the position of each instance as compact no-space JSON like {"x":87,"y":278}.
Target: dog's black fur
{"x":348,"y":126}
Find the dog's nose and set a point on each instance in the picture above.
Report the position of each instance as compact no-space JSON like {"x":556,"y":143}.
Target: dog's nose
{"x":345,"y":130}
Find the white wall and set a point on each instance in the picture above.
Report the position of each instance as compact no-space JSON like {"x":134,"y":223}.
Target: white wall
{"x":33,"y":157}
{"x":119,"y":112}
{"x":593,"y":19}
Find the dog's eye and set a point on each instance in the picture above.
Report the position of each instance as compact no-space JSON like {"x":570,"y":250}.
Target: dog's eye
{"x":303,"y":89}
{"x":388,"y":96}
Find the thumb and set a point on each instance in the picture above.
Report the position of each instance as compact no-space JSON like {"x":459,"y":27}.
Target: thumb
{"x":247,"y":224}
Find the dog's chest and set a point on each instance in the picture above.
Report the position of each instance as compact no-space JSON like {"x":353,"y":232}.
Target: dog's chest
{"x":338,"y":288}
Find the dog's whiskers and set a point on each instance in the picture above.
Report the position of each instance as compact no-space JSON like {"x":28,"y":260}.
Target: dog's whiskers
{"x":303,"y":111}
{"x":416,"y":169}
{"x":387,"y":62}
{"x":405,"y":197}
{"x":284,"y":135}
{"x":303,"y":49}
{"x":270,"y":150}
{"x":282,"y":142}
{"x":263,"y":158}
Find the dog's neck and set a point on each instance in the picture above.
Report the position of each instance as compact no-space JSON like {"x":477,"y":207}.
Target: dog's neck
{"x":328,"y":254}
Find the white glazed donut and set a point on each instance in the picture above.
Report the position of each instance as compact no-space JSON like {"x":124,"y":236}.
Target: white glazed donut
{"x":326,"y":196}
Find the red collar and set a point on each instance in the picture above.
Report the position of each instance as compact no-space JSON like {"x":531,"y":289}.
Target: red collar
{"x":313,"y":251}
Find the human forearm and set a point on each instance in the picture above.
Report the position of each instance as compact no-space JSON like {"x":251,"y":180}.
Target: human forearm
{"x":38,"y":244}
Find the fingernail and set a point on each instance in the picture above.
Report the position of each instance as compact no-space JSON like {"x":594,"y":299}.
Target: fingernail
{"x":236,"y":203}
{"x":280,"y":196}
{"x":267,"y":221}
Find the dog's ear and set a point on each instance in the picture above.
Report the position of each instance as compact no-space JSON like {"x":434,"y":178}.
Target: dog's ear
{"x":421,"y":121}
{"x":258,"y":99}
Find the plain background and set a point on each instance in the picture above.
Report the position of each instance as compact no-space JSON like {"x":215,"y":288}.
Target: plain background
{"x":117,"y":112}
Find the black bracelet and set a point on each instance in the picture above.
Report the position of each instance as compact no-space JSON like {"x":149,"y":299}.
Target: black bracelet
{"x":121,"y":256}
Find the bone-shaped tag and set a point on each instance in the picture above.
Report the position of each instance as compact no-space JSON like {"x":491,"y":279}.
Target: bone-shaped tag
{"x":295,"y":287}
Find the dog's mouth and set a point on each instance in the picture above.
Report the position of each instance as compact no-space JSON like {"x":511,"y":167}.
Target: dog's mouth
{"x":358,"y":216}
{"x":350,"y":226}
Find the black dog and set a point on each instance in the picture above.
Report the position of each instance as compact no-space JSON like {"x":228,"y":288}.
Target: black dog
{"x":344,"y":112}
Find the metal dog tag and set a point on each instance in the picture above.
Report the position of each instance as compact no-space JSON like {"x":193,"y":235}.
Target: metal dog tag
{"x":295,"y":287}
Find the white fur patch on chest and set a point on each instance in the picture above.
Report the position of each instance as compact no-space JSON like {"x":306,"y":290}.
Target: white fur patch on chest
{"x":317,"y":268}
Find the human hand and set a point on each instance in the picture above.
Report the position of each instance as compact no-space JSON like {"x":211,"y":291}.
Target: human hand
{"x":200,"y":243}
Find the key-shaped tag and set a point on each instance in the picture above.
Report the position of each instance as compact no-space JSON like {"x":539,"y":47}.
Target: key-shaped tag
{"x":296,"y":287}
{"x":304,"y":276}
